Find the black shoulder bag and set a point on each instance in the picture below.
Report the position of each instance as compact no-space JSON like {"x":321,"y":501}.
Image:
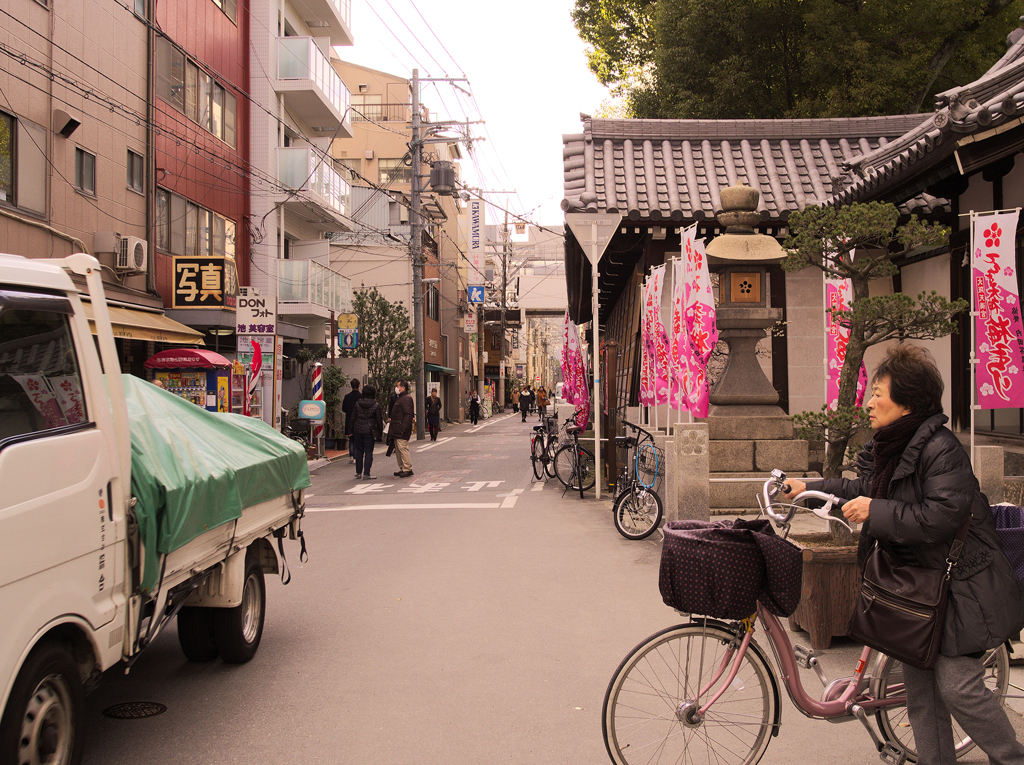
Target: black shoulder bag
{"x":901,"y":610}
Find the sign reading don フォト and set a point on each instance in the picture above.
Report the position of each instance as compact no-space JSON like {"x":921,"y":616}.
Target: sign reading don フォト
{"x":256,"y":315}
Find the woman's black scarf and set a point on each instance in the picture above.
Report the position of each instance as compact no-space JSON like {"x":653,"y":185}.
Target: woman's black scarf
{"x":890,"y":443}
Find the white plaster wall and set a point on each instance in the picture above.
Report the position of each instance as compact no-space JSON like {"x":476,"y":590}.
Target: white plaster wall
{"x":805,"y":331}
{"x":928,"y":275}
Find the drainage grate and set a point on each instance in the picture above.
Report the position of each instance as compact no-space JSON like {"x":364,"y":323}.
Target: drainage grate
{"x":135,"y":710}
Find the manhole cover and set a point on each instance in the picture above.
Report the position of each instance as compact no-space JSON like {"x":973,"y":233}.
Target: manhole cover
{"x":135,"y":710}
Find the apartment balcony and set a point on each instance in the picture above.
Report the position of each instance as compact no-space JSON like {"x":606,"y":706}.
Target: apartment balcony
{"x":333,"y":17}
{"x":318,"y":193}
{"x":308,"y":292}
{"x":313,"y":91}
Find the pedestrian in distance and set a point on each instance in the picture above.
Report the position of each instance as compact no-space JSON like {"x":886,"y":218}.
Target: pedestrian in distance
{"x":403,"y":414}
{"x":433,"y":414}
{"x":915,"y":491}
{"x":515,"y":400}
{"x":367,"y":428}
{"x":526,"y":401}
{"x":474,"y":408}
{"x":348,"y":405}
{"x":542,"y":402}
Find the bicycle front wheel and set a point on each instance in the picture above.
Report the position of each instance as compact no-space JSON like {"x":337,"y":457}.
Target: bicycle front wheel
{"x":566,"y":460}
{"x":650,"y":708}
{"x":893,"y":721}
{"x":637,"y":512}
{"x":537,"y":457}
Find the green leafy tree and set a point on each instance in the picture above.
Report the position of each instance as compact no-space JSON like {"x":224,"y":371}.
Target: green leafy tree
{"x":789,"y":58}
{"x":386,"y":340}
{"x":858,"y":242}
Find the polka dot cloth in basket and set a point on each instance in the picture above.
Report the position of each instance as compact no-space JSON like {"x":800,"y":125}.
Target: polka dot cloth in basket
{"x":722,"y":568}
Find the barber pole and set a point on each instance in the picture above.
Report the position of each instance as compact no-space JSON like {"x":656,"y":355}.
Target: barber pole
{"x":318,"y":394}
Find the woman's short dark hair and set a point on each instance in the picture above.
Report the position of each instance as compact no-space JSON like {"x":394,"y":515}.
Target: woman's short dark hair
{"x":914,"y":380}
{"x":369,"y":391}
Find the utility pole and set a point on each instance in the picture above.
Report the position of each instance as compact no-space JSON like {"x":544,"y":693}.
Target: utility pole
{"x":416,"y":249}
{"x":504,"y":292}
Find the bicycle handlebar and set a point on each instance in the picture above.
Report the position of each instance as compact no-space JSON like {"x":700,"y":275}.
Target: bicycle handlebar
{"x":638,"y":428}
{"x":777,"y":483}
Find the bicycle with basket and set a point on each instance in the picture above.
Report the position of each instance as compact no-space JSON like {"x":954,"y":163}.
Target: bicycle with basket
{"x":637,"y":508}
{"x":704,"y":691}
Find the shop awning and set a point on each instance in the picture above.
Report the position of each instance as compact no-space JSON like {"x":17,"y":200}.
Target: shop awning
{"x":145,"y":325}
{"x":439,"y":368}
{"x":187,"y":358}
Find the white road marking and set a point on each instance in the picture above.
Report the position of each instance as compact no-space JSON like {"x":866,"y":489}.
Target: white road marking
{"x":432,"y":444}
{"x":509,"y":502}
{"x":446,"y":506}
{"x":539,"y":486}
{"x":489,"y":422}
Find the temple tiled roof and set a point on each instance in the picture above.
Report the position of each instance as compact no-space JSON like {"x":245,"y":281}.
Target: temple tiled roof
{"x":673,"y":170}
{"x":995,"y":100}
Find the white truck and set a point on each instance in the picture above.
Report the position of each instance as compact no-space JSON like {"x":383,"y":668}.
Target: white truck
{"x":121,"y":508}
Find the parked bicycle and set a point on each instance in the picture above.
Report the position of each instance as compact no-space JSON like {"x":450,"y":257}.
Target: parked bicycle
{"x":575,"y":465}
{"x":704,"y":692}
{"x":543,"y":446}
{"x":637,"y":508}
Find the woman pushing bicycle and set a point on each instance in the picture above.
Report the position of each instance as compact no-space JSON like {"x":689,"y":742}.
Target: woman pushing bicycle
{"x":915,"y":491}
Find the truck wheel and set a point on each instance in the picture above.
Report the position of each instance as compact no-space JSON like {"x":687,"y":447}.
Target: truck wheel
{"x":43,"y":719}
{"x":237,"y":631}
{"x":195,"y":633}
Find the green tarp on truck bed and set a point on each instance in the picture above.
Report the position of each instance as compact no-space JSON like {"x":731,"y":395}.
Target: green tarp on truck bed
{"x":193,"y":470}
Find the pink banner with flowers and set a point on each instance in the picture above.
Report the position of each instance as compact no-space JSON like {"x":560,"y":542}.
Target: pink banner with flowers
{"x":680,"y":349}
{"x":701,"y":322}
{"x":646,"y":345}
{"x":838,"y":296}
{"x":1000,"y":335}
{"x":657,"y":350}
{"x":574,"y":371}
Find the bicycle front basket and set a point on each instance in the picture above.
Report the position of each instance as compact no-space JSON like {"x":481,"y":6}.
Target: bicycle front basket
{"x":650,"y":463}
{"x":721,"y":569}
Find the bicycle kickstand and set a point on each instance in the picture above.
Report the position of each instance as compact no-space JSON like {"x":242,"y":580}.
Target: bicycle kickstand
{"x":888,"y":751}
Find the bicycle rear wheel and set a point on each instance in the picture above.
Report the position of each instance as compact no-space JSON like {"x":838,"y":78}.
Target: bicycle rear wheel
{"x":565,"y":467}
{"x":893,"y":721}
{"x":537,"y":456}
{"x":637,"y":512}
{"x":549,"y":452}
{"x":650,"y":707}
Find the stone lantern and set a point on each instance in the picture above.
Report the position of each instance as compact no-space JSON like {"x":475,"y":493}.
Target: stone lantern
{"x":740,"y":256}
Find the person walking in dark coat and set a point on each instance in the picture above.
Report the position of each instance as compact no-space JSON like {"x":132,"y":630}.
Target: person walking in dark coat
{"x":367,"y":427}
{"x":433,"y":405}
{"x":525,"y":402}
{"x":474,"y":407}
{"x":402,"y":417}
{"x":348,"y":405}
{"x":916,"y":489}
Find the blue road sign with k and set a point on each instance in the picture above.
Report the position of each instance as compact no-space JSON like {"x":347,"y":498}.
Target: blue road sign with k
{"x":476,"y":294}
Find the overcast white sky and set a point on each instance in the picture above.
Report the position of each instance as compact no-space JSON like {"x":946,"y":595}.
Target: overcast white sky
{"x":527,"y":74}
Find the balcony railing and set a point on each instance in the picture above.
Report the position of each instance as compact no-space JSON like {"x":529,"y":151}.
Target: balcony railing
{"x":302,"y":169}
{"x":380,"y":113}
{"x":299,"y":58}
{"x":309,"y":282}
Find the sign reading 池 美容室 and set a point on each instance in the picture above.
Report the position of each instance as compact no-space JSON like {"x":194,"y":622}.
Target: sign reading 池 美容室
{"x":205,"y":283}
{"x":256,"y":314}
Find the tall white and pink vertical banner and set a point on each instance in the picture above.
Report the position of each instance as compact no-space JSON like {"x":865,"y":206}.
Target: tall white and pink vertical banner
{"x":694,"y":329}
{"x":574,"y":371}
{"x":838,"y":296}
{"x":997,"y":321}
{"x":655,"y":339}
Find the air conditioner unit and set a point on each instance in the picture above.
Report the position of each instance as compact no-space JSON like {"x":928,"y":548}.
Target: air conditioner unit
{"x":132,"y":257}
{"x":403,"y":213}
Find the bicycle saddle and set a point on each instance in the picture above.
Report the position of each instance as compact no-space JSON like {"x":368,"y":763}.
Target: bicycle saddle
{"x":538,"y":428}
{"x":626,"y":441}
{"x":573,"y":429}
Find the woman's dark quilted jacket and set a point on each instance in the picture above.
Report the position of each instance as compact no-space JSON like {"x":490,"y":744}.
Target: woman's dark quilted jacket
{"x":932,"y":492}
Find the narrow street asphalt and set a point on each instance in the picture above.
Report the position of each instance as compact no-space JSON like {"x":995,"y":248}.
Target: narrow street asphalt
{"x":466,"y":615}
